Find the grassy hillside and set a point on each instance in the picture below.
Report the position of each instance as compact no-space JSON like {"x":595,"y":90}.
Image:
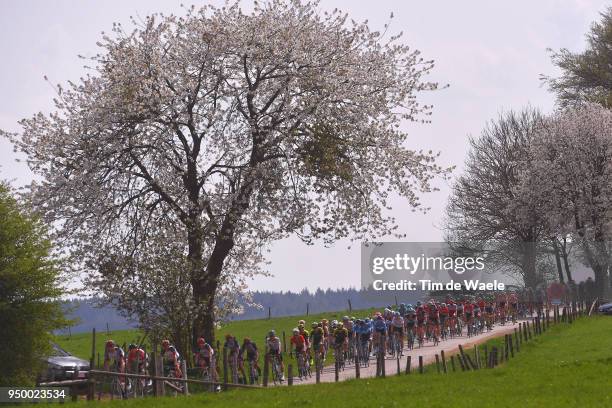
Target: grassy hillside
{"x":80,"y":344}
{"x":569,"y":366}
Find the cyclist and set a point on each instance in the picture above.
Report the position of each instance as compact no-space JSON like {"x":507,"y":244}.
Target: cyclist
{"x":513,"y":301}
{"x":114,"y":357}
{"x":380,"y":329}
{"x":298,"y":343}
{"x":501,"y":308}
{"x":468,"y":309}
{"x":489,"y":314}
{"x":171,"y":359}
{"x":410,"y":320}
{"x":114,"y":360}
{"x":397,"y":325}
{"x":252,"y":355}
{"x":326,"y":334}
{"x":452,"y":315}
{"x":304,"y":333}
{"x":421,"y":316}
{"x":433,"y":319}
{"x":477,"y":314}
{"x":136,"y":360}
{"x":402,"y":309}
{"x":204,"y":356}
{"x":273,"y":344}
{"x":316,"y":339}
{"x":340,"y":340}
{"x":233,"y":350}
{"x":444,"y":318}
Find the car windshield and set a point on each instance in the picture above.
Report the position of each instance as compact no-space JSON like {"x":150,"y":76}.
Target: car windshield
{"x":58,"y":351}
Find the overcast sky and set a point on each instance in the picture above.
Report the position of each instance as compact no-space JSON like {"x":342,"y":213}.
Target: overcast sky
{"x":491,"y":53}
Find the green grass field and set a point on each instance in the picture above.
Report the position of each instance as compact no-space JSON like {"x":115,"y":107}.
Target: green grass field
{"x":568,"y":366}
{"x":80,"y":344}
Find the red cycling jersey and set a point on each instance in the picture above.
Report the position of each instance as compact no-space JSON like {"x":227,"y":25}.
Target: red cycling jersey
{"x":468,"y":308}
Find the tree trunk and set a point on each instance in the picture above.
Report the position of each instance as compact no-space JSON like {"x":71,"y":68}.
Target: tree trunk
{"x":558,"y":260}
{"x":564,"y":255}
{"x":529,"y":264}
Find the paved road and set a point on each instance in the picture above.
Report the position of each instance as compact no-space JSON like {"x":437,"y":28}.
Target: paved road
{"x":428,"y":351}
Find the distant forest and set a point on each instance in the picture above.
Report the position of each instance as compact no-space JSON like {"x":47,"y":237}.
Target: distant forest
{"x":88,"y":315}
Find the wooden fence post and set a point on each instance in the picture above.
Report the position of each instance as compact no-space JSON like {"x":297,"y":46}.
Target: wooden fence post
{"x":438,"y":363}
{"x":444,"y":368}
{"x":421,"y":369}
{"x":452,"y":359}
{"x":511,"y":345}
{"x":517,"y":340}
{"x":284,"y":343}
{"x":290,"y":374}
{"x":357,"y":364}
{"x":350,"y":306}
{"x":317,"y":371}
{"x":528,"y":331}
{"x":461,"y":363}
{"x":93,"y":348}
{"x":225,"y":368}
{"x":266,"y":370}
{"x":408,"y":364}
{"x":307,"y":308}
{"x":269,"y":312}
{"x":160,"y":383}
{"x":399,"y":370}
{"x":464,"y":357}
{"x":185,"y":383}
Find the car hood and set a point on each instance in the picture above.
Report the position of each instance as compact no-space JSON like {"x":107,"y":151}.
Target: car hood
{"x":606,"y":306}
{"x":68,"y":362}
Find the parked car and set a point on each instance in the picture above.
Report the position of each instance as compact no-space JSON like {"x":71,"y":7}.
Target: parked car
{"x":62,"y":365}
{"x":606,"y":308}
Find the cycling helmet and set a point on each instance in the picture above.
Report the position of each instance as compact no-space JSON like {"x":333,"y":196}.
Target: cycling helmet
{"x":201,"y":341}
{"x":419,"y":303}
{"x":340,"y":325}
{"x":352,"y":317}
{"x":295,"y":330}
{"x":443,"y":304}
{"x":110,"y":343}
{"x":409,"y":306}
{"x":320,"y":324}
{"x":301,"y":322}
{"x":131,"y":346}
{"x":367,"y":320}
{"x":345,"y":318}
{"x":272,"y":333}
{"x":314,"y":325}
{"x":324,"y":321}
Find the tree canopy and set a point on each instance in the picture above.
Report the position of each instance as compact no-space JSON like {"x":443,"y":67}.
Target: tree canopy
{"x":230,"y":130}
{"x":586,"y":76}
{"x":29,"y":293}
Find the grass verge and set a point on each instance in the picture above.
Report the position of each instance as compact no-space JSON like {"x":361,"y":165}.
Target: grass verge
{"x":569,"y":366}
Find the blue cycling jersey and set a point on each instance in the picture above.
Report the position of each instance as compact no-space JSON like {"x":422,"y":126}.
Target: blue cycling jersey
{"x":380,"y":324}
